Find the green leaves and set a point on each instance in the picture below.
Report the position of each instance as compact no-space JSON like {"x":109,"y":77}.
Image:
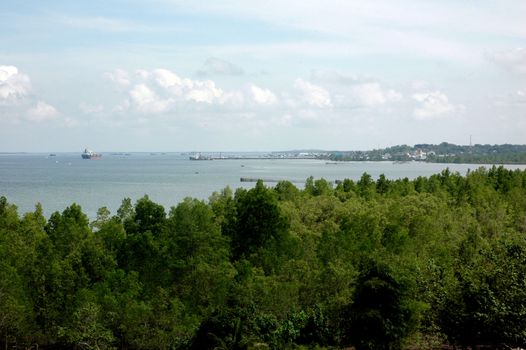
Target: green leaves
{"x":374,"y":263}
{"x":258,"y":221}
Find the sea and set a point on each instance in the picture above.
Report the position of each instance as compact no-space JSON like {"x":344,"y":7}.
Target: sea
{"x":57,"y":181}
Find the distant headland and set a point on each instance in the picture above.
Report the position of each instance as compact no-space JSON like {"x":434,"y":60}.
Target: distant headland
{"x":431,"y":153}
{"x":441,"y":153}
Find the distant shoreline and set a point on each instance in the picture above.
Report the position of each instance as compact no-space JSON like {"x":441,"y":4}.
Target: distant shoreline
{"x":443,"y":153}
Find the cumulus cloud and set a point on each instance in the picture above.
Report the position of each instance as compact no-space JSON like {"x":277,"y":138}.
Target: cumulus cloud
{"x":234,"y":99}
{"x":433,"y":105}
{"x":262,"y":96}
{"x":119,"y":76}
{"x":188,"y":89}
{"x":372,"y":94}
{"x":17,"y":100}
{"x":217,"y":66}
{"x":162,"y":90}
{"x":13,"y":85}
{"x":172,"y":98}
{"x":313,"y":95}
{"x":512,"y":60}
{"x":42,"y":112}
{"x":203,"y":91}
{"x":7,"y":72}
{"x":354,"y":91}
{"x":146,"y":100}
{"x":164,"y":78}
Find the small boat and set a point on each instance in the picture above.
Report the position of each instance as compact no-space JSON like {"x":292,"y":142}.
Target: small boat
{"x":89,"y":154}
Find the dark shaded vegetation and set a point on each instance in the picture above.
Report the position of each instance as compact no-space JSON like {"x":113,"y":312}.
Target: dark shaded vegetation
{"x":374,"y":264}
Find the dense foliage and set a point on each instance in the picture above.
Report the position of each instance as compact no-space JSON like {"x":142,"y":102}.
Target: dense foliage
{"x":374,"y":264}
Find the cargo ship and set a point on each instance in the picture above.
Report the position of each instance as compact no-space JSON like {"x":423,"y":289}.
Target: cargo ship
{"x":89,"y":154}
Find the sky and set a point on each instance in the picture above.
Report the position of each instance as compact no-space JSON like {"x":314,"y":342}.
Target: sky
{"x":243,"y":75}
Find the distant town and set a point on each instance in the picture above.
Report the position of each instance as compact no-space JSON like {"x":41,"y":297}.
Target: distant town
{"x":441,"y":153}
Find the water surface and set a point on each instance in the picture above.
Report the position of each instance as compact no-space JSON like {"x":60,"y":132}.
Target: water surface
{"x":66,"y":178}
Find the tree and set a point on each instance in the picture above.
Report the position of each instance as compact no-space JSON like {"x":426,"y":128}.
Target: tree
{"x":103,"y":216}
{"x":258,"y":221}
{"x":366,"y":186}
{"x":148,"y":216}
{"x":286,"y":191}
{"x":382,"y":314}
{"x":382,"y":184}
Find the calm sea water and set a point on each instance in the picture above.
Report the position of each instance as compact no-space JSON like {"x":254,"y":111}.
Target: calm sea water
{"x":59,"y":181}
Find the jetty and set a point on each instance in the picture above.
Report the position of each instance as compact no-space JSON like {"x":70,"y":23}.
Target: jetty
{"x":256,"y":179}
{"x":270,"y":180}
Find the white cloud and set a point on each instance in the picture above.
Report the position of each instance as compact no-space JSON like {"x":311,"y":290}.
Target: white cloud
{"x":232,"y":98}
{"x":353,"y":91}
{"x":175,"y":100}
{"x":142,"y":74}
{"x":203,"y":91}
{"x":13,"y":85}
{"x":372,"y":94}
{"x":160,"y":90}
{"x":313,"y":95}
{"x":433,"y":105}
{"x":42,"y":112}
{"x":512,"y":60}
{"x":165,"y":78}
{"x":120,"y":77}
{"x":146,"y":100}
{"x":262,"y":96}
{"x":169,"y":82}
{"x":7,"y":72}
{"x":192,"y":90}
{"x":16,"y":99}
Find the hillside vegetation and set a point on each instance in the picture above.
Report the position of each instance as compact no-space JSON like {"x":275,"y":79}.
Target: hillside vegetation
{"x":441,"y":153}
{"x":374,"y":264}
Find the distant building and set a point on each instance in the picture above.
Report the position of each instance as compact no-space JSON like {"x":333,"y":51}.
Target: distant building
{"x":418,"y":155}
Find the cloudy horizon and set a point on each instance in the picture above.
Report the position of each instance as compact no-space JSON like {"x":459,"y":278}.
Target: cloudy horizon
{"x":232,"y":75}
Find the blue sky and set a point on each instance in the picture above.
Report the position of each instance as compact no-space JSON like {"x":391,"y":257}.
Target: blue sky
{"x":234,"y":75}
